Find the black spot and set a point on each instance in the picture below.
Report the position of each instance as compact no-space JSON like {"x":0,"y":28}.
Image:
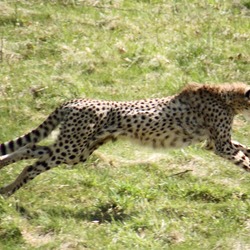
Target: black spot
{"x":27,"y":137}
{"x":36,"y":132}
{"x":25,"y":180}
{"x":44,"y":164}
{"x":82,"y":159}
{"x":45,"y":134}
{"x":30,"y":168}
{"x":238,"y":163}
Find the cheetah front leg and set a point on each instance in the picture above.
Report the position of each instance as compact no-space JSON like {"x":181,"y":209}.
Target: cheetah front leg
{"x":210,"y":145}
{"x":233,"y":152}
{"x":25,"y":153}
{"x":242,"y":147}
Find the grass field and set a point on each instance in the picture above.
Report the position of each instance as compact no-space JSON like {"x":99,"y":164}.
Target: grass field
{"x":125,"y":196}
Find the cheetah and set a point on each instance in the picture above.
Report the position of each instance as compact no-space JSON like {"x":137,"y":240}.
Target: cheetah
{"x":198,"y":113}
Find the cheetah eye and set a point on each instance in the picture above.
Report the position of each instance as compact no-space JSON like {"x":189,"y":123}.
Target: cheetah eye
{"x":247,"y":94}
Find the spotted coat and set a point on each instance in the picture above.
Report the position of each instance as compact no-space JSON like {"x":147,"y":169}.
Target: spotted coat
{"x":198,"y":113}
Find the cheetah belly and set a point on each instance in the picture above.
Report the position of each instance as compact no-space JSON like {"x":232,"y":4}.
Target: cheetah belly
{"x":175,"y":139}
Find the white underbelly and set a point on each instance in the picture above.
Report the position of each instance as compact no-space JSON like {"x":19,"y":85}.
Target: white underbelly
{"x":171,"y":140}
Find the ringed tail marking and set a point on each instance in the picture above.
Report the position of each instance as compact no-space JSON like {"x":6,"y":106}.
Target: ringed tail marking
{"x":36,"y":135}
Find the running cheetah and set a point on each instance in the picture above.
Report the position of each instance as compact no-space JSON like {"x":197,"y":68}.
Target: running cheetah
{"x":198,"y":113}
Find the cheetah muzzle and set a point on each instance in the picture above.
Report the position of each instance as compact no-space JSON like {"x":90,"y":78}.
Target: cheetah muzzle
{"x":198,"y":113}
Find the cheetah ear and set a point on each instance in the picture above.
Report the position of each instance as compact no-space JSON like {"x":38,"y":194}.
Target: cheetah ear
{"x":247,"y":94}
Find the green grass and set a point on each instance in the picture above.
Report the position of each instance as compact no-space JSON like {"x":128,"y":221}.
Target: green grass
{"x":124,"y":197}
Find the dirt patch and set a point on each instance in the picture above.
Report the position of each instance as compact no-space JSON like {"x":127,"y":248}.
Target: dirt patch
{"x":36,"y":239}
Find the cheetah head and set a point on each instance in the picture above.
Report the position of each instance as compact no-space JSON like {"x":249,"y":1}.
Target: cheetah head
{"x":245,"y":104}
{"x":237,"y":98}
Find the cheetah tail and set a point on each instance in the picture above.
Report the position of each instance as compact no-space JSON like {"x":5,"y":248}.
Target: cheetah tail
{"x":36,"y":135}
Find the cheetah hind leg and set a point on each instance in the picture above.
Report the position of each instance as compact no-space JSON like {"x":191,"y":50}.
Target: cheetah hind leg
{"x":46,"y":163}
{"x":43,"y":164}
{"x":25,"y":153}
{"x":28,"y":174}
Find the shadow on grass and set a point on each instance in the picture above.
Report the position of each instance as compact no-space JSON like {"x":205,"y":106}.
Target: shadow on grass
{"x":102,"y":213}
{"x":105,"y":212}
